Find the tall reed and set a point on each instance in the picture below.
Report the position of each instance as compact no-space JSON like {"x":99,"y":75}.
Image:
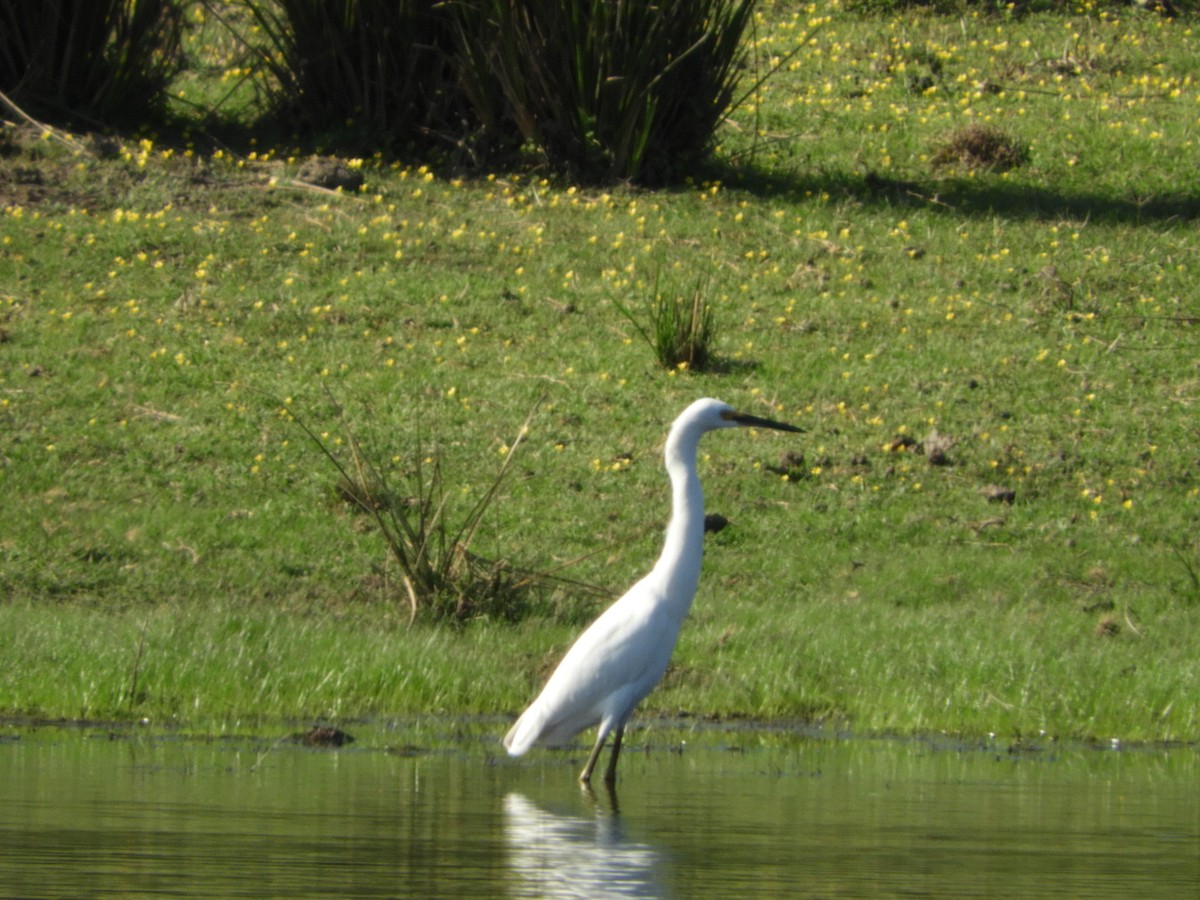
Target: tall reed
{"x":620,"y":90}
{"x":382,"y":70}
{"x":94,"y":61}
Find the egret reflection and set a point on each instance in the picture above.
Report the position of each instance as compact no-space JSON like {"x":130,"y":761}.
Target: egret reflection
{"x":558,"y":855}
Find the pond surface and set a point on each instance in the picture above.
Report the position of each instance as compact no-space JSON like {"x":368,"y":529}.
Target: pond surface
{"x":433,"y":810}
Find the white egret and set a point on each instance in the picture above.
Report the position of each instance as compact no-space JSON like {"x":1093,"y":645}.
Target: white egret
{"x":623,"y":654}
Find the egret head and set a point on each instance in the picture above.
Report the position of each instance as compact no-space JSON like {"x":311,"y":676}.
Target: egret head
{"x":709,"y":414}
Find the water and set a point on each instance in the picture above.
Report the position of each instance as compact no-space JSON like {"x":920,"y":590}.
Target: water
{"x":430,"y":810}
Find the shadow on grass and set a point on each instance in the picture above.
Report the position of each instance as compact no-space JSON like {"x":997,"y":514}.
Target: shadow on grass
{"x":985,"y":196}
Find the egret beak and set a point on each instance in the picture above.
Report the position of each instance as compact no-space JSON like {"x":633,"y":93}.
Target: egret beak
{"x":748,"y":421}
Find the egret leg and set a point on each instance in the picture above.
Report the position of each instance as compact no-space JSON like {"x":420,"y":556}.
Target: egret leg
{"x":610,"y":774}
{"x":585,"y":777}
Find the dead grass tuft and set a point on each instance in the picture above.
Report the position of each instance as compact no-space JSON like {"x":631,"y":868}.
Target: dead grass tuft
{"x":980,"y":147}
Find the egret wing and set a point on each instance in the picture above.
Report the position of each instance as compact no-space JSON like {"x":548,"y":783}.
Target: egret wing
{"x":608,"y":670}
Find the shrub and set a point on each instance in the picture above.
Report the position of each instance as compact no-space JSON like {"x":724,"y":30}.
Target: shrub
{"x":429,"y":536}
{"x":381,"y":69}
{"x":612,"y":90}
{"x":604,"y":90}
{"x":93,"y":60}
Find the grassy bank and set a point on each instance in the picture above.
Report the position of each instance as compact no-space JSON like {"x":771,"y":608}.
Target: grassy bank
{"x":993,"y":525}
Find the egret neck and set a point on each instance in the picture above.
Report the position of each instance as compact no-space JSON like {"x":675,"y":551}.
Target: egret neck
{"x":678,"y":568}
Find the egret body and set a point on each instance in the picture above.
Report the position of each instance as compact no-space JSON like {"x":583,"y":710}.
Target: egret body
{"x":623,"y":654}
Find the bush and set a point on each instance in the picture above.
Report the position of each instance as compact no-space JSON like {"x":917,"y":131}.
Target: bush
{"x":631,"y":90}
{"x":97,"y":61}
{"x":429,"y":537}
{"x":604,"y":90}
{"x":384,"y":70}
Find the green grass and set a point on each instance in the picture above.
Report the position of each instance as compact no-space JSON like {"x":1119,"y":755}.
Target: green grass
{"x":160,"y":312}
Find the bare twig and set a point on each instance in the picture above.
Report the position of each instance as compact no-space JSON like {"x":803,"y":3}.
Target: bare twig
{"x":62,"y":137}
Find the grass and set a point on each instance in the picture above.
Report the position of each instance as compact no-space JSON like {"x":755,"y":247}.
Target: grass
{"x":164,"y":515}
{"x":427,"y":536}
{"x":679,"y":328}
